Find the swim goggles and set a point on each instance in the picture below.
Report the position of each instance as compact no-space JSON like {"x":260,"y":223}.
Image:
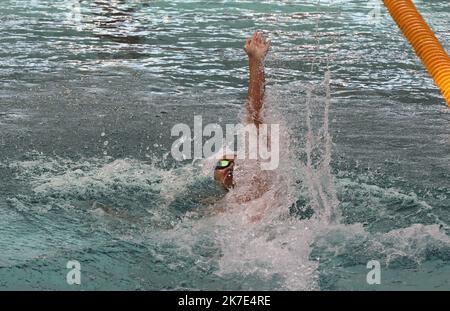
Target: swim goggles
{"x":224,"y":163}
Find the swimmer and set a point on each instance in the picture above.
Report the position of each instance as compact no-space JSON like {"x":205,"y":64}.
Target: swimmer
{"x":256,"y":48}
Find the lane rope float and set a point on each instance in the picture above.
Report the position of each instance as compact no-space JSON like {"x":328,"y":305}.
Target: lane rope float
{"x":423,"y":40}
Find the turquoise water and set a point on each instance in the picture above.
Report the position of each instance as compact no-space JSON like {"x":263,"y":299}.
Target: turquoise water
{"x":89,"y":93}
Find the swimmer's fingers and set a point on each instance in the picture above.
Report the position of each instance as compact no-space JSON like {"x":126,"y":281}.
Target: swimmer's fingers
{"x":266,"y":45}
{"x":247,"y":44}
{"x":260,"y":38}
{"x":264,"y":41}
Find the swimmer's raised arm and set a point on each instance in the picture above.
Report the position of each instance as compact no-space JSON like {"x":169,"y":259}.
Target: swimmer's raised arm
{"x":256,"y":48}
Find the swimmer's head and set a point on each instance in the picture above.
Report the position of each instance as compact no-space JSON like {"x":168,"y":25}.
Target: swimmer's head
{"x":223,"y":172}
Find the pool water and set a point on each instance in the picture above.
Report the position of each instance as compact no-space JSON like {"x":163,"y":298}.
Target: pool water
{"x":90,"y":92}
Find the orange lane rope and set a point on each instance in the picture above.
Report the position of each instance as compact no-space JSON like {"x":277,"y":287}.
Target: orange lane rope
{"x":424,"y":42}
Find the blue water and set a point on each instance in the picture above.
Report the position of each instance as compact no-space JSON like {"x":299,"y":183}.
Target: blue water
{"x":89,"y":93}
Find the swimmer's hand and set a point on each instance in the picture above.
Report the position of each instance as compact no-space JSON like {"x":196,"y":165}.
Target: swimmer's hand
{"x":257,"y":46}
